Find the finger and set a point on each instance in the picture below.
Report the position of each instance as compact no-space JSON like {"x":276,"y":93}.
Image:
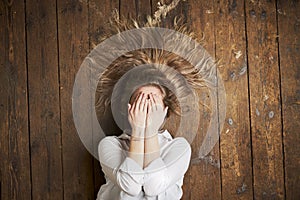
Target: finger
{"x":145,"y":107}
{"x":138,"y":102}
{"x":157,"y":100}
{"x":152,"y":104}
{"x":154,"y":101}
{"x":137,"y":96}
{"x":129,"y":106}
{"x":135,"y":103}
{"x":161,"y":102}
{"x":129,"y":111}
{"x":133,"y":106}
{"x":143,"y":103}
{"x":148,"y":105}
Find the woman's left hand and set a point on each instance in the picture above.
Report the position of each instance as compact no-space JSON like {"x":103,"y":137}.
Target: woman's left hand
{"x":156,"y":113}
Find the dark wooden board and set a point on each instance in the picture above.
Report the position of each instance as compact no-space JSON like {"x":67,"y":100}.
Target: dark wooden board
{"x":73,"y":45}
{"x":204,"y":174}
{"x":99,"y":13}
{"x":14,"y":139}
{"x":43,"y":44}
{"x":265,"y":108}
{"x":180,"y":11}
{"x":235,"y":144}
{"x":44,"y":105}
{"x":288,"y":13}
{"x":128,"y":8}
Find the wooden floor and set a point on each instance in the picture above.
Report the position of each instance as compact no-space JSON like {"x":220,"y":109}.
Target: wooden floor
{"x":43,"y":43}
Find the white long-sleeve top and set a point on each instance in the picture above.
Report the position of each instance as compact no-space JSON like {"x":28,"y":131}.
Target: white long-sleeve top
{"x":162,"y":179}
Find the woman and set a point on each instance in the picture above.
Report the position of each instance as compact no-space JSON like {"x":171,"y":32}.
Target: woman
{"x":146,"y":163}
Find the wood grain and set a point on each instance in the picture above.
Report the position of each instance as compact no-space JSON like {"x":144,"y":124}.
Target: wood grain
{"x":128,"y":8}
{"x":204,"y":174}
{"x":180,"y":11}
{"x":44,"y":105}
{"x":235,"y":144}
{"x":43,"y":44}
{"x":14,"y":141}
{"x":73,"y":48}
{"x":289,"y":48}
{"x":265,"y":100}
{"x":99,"y":13}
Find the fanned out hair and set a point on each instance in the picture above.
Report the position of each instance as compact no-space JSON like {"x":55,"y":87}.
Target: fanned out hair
{"x":161,"y":60}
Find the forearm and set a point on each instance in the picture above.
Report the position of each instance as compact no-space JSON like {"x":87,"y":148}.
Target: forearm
{"x":136,"y":149}
{"x":152,"y":149}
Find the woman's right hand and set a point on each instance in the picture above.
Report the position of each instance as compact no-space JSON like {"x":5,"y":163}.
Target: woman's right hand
{"x":137,"y":113}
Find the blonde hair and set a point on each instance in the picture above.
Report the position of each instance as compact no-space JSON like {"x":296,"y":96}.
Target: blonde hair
{"x":161,"y":62}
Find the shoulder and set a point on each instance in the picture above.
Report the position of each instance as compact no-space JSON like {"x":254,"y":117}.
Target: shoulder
{"x":108,"y":141}
{"x":179,"y":140}
{"x":180,"y":144}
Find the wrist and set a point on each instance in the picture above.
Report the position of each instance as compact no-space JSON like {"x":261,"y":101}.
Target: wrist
{"x":138,"y":132}
{"x":150,"y":133}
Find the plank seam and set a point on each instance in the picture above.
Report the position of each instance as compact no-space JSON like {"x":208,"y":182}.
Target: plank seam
{"x":59,"y":100}
{"x":151,"y":7}
{"x":249,"y":105}
{"x":120,"y":8}
{"x":280,"y":95}
{"x":28,"y":104}
{"x":89,"y":42}
{"x":215,"y":49}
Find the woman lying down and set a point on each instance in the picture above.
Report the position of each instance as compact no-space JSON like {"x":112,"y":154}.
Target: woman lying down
{"x":146,"y":163}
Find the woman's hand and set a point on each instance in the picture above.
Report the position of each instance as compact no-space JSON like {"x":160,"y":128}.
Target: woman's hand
{"x":137,"y":113}
{"x":156,"y":114}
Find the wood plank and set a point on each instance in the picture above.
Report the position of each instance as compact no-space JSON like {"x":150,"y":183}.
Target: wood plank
{"x":181,"y":10}
{"x":289,"y":50}
{"x":265,"y":108}
{"x":128,"y":8}
{"x":204,"y":175}
{"x":73,"y":47}
{"x":14,"y":141}
{"x":235,"y":143}
{"x":143,"y":9}
{"x":44,"y":115}
{"x":99,"y":13}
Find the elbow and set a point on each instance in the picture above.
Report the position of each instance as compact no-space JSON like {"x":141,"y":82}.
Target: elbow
{"x":129,"y":186}
{"x":132,"y":190}
{"x":155,"y":186}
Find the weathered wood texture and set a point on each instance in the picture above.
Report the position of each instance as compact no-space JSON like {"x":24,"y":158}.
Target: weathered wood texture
{"x":73,"y":42}
{"x":15,"y":173}
{"x":204,"y":172}
{"x":257,"y":42}
{"x":265,"y":108}
{"x":288,"y":15}
{"x":235,"y":145}
{"x":99,"y":12}
{"x":44,"y":104}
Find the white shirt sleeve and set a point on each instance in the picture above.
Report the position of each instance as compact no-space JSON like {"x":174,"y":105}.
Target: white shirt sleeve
{"x":120,"y":169}
{"x":156,"y":178}
{"x":166,"y":170}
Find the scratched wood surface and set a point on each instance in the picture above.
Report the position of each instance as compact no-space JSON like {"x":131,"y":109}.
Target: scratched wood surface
{"x":235,"y":146}
{"x":257,"y":44}
{"x":265,"y":109}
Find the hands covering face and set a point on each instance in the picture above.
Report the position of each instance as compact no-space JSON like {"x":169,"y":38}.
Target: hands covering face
{"x":146,"y":113}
